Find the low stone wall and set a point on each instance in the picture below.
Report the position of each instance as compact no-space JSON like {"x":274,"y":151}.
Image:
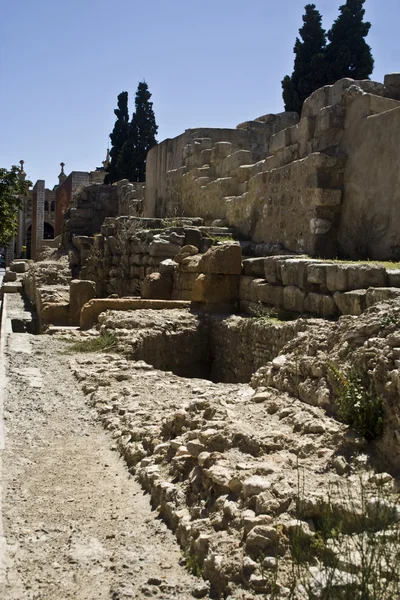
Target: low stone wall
{"x":128,"y":249}
{"x":325,"y":289}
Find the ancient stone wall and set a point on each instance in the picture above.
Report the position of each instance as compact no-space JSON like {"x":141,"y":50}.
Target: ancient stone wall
{"x":287,"y":181}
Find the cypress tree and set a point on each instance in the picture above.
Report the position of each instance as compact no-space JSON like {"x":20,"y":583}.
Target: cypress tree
{"x":142,"y":136}
{"x":118,"y":138}
{"x":348,"y":54}
{"x":309,"y":72}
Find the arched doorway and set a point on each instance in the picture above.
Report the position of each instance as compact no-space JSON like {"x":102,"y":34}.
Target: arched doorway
{"x":48,"y":231}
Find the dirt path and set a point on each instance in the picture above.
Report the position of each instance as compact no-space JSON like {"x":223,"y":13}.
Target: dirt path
{"x":77,"y":524}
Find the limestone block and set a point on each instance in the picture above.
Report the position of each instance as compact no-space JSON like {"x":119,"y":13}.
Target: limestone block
{"x":245,"y":289}
{"x":294,"y":272}
{"x":323,"y":197}
{"x":80,"y":292}
{"x":293,"y":299}
{"x":191,"y":264}
{"x":181,"y":295}
{"x":225,"y":259}
{"x":157,"y":286}
{"x":54,"y":313}
{"x":316,"y":273}
{"x":268,"y":293}
{"x":381,"y":294}
{"x":321,"y":305}
{"x":318,"y":100}
{"x":281,"y":139}
{"x":168,"y":266}
{"x":14,"y":287}
{"x":185,"y":252}
{"x":90,"y":312}
{"x":346,"y":277}
{"x":271,"y":271}
{"x":254,"y":267}
{"x":232,"y":162}
{"x":19,"y":266}
{"x":393,"y":277}
{"x":220,"y":151}
{"x":392,"y":85}
{"x":351,"y":303}
{"x":330,"y":117}
{"x":320,"y":226}
{"x":216,"y":288}
{"x":9,"y":276}
{"x":159,"y":247}
{"x":184,"y":281}
{"x":254,"y":287}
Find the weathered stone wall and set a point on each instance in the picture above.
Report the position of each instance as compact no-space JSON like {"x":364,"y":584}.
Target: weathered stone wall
{"x":370,"y":221}
{"x":286,"y":183}
{"x":171,"y":155}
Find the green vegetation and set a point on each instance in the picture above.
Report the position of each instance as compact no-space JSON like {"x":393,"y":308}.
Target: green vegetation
{"x":309,"y":72}
{"x":220,"y":238}
{"x":103,"y":343}
{"x":132,"y":140}
{"x":192,"y":563}
{"x":118,"y":138}
{"x":318,"y":63}
{"x":354,"y":553}
{"x":358,"y":404}
{"x":12,"y":187}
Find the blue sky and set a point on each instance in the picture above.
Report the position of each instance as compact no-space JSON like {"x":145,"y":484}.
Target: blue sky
{"x":216,"y":63}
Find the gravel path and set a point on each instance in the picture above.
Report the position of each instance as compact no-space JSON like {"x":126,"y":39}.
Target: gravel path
{"x":77,"y":524}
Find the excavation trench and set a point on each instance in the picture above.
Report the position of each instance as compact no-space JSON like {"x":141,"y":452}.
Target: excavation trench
{"x":222,"y":349}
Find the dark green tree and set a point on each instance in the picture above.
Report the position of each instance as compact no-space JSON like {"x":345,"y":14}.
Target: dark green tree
{"x":348,"y":54}
{"x":309,"y":72}
{"x":118,"y":138}
{"x":142,"y":136}
{"x":12,"y":187}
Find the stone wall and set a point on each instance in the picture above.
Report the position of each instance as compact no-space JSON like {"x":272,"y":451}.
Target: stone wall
{"x":286,"y":182}
{"x":185,"y":151}
{"x":128,"y":249}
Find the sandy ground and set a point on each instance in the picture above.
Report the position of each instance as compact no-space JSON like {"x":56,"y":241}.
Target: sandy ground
{"x":76,"y":522}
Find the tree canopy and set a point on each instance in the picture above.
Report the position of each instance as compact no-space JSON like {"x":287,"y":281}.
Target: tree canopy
{"x":12,"y":187}
{"x":348,"y":54}
{"x":318,"y":63}
{"x":141,"y":136}
{"x":309,"y":72}
{"x":118,"y":138}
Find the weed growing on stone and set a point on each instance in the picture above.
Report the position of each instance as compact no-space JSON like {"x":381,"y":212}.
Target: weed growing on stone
{"x":354,"y":553}
{"x":358,"y":405}
{"x":192,"y":563}
{"x":220,"y":238}
{"x":103,"y":343}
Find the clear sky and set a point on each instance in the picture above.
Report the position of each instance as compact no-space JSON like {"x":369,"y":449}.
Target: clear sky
{"x":213,"y":63}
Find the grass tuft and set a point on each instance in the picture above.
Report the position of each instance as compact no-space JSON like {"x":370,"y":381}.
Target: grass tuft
{"x":103,"y":343}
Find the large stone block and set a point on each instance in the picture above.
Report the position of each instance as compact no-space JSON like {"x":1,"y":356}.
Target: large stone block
{"x":90,"y":312}
{"x":293,"y":299}
{"x":184,"y":281}
{"x":351,"y":303}
{"x":316,"y":273}
{"x":222,"y":260}
{"x":254,"y":267}
{"x":245,"y":289}
{"x":375,"y":295}
{"x":216,"y":288}
{"x":54,"y":313}
{"x":19,"y":266}
{"x":321,"y":305}
{"x":157,"y":286}
{"x":163,"y":248}
{"x":268,"y":293}
{"x":80,"y":292}
{"x":294,"y":272}
{"x":346,"y":277}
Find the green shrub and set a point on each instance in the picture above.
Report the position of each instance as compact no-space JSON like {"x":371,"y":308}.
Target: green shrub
{"x":358,"y":405}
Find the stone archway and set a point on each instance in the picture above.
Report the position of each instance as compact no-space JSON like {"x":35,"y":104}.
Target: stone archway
{"x":48,"y":231}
